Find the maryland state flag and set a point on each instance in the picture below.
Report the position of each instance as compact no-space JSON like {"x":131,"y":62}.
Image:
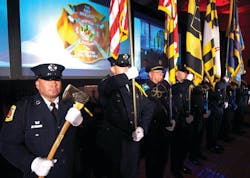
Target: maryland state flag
{"x":118,"y":25}
{"x":235,"y":65}
{"x":171,"y":35}
{"x":194,"y":62}
{"x":211,"y":44}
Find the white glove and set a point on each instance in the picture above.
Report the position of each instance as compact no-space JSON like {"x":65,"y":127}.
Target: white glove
{"x":225,"y":105}
{"x":207,"y":114}
{"x":42,"y":166}
{"x":74,"y":116}
{"x":132,"y":73}
{"x":189,"y":119}
{"x":171,"y":128}
{"x":138,"y":134}
{"x":166,"y":78}
{"x":190,"y":77}
{"x":226,"y":79}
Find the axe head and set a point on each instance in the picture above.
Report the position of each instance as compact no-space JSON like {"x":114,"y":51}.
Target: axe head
{"x":74,"y":94}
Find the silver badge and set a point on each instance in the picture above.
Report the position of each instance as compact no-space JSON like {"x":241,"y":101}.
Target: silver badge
{"x":38,"y":102}
{"x":160,"y":62}
{"x":52,"y":67}
{"x":125,"y":56}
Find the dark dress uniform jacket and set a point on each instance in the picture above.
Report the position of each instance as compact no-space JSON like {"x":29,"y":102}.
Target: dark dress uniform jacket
{"x":115,"y":137}
{"x":180,"y":101}
{"x":118,"y":106}
{"x":32,"y":133}
{"x":157,"y":141}
{"x":159,"y":94}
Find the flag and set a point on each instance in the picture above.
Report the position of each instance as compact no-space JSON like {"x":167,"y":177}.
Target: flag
{"x":211,"y":44}
{"x":118,"y":25}
{"x":194,"y":62}
{"x":171,"y":35}
{"x":235,"y":65}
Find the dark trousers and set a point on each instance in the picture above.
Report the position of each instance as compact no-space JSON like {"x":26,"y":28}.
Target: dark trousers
{"x":180,"y":146}
{"x":126,"y":164}
{"x":197,"y":135}
{"x":214,"y":125}
{"x":227,"y":122}
{"x":156,"y":146}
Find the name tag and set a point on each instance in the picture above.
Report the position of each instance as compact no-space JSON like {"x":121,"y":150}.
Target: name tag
{"x":36,"y":126}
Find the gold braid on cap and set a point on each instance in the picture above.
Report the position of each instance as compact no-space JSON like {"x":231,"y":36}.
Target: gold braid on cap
{"x":156,"y":68}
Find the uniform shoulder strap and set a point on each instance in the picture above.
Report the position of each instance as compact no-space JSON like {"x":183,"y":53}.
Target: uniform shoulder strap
{"x":141,"y":89}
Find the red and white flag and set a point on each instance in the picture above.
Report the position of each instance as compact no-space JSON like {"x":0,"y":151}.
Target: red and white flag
{"x":118,"y":25}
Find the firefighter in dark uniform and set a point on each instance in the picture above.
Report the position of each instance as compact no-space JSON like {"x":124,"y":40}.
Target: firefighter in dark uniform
{"x":229,"y":112}
{"x":218,"y":102}
{"x":183,"y":118}
{"x":244,"y":91}
{"x":242,"y":97}
{"x":30,"y":128}
{"x":157,"y":142}
{"x":119,"y":137}
{"x":199,"y":98}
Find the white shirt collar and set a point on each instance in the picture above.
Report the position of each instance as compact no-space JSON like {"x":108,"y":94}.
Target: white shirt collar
{"x":56,"y":101}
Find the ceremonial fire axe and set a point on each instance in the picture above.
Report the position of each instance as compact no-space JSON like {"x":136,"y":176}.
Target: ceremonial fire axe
{"x":79,"y":98}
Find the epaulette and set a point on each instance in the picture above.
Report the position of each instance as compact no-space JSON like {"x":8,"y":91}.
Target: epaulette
{"x":104,"y":78}
{"x":141,"y":89}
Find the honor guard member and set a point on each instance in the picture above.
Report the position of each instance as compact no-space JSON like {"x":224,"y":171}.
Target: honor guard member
{"x":157,"y":141}
{"x":197,"y":108}
{"x":242,"y":98}
{"x":181,"y":112}
{"x":229,"y":113}
{"x":33,"y":124}
{"x":218,"y":102}
{"x":119,"y":136}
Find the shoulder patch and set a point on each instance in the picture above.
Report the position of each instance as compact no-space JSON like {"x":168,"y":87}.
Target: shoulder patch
{"x":145,"y":87}
{"x":141,"y":89}
{"x":10,"y":114}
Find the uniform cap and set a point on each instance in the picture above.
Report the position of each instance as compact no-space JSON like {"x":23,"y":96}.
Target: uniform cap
{"x":156,"y":65}
{"x":122,"y":60}
{"x":48,"y":71}
{"x":182,"y":68}
{"x":152,"y":68}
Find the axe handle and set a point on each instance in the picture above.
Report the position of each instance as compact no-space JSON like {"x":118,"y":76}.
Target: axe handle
{"x":88,"y":111}
{"x":60,"y":136}
{"x":57,"y":141}
{"x":79,"y":106}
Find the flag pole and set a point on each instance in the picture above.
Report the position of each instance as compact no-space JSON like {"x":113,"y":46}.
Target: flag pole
{"x":228,"y":35}
{"x":132,"y":60}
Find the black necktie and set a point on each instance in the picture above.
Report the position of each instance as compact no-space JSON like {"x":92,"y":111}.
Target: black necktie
{"x":54,"y":110}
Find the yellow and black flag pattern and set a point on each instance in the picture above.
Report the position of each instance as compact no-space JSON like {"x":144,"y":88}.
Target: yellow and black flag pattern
{"x":211,"y":44}
{"x":235,"y":65}
{"x":194,"y":62}
{"x":171,"y":36}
